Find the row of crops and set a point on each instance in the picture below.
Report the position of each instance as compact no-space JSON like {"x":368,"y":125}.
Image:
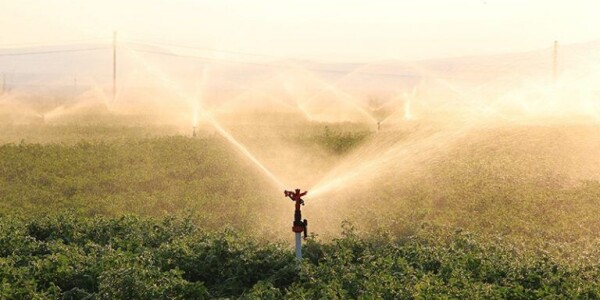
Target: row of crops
{"x":130,"y":257}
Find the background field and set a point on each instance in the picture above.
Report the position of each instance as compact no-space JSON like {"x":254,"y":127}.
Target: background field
{"x":121,"y":211}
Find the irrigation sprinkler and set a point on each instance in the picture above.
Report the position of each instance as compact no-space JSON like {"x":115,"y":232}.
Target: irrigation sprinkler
{"x":193,"y":131}
{"x":298,"y":226}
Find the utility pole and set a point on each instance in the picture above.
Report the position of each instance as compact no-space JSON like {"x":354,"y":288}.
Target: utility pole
{"x":114,"y":83}
{"x":555,"y":62}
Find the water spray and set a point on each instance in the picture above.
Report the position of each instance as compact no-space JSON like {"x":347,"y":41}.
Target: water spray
{"x":207,"y":116}
{"x":407,"y":113}
{"x":299,"y":226}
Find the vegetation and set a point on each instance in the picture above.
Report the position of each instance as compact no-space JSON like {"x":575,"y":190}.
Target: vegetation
{"x":338,"y":141}
{"x":143,"y":217}
{"x":145,"y":176}
{"x":131,"y":257}
{"x":527,"y":194}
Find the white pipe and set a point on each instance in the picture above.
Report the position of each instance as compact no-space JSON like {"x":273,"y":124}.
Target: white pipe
{"x":298,"y":246}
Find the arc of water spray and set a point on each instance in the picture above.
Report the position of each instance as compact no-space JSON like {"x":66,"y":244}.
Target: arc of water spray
{"x":317,"y":189}
{"x":467,"y":95}
{"x":435,"y":77}
{"x":244,"y":93}
{"x":206,"y":115}
{"x":112,"y":101}
{"x":199,"y":95}
{"x":383,"y":159}
{"x":351,"y":101}
{"x":299,"y":105}
{"x":6,"y":101}
{"x":108,"y":102}
{"x":407,"y":109}
{"x":334,"y":89}
{"x":463,"y":95}
{"x":408,"y":97}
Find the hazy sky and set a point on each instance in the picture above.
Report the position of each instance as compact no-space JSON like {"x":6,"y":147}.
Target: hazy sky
{"x":341,"y":30}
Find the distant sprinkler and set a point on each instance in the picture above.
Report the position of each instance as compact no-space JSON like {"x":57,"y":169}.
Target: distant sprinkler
{"x":408,"y":116}
{"x":299,"y":226}
{"x":193,"y":131}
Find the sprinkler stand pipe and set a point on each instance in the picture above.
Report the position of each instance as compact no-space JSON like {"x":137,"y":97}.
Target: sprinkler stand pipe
{"x":299,"y":226}
{"x":298,"y":246}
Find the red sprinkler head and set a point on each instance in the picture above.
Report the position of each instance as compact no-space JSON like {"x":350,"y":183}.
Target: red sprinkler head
{"x":299,"y":225}
{"x":296,"y":196}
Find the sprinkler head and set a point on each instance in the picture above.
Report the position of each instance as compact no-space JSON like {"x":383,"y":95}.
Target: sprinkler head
{"x":194,"y":131}
{"x":296,"y":196}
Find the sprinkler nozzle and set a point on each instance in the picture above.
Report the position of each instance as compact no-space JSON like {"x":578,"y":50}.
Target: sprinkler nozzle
{"x":298,"y":226}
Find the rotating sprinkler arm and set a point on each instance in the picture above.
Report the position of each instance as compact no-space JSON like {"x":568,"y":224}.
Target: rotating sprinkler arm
{"x":295,"y":196}
{"x":302,"y":195}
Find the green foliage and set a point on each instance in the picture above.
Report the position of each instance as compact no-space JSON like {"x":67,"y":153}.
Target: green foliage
{"x":129,"y":257}
{"x":158,"y":177}
{"x":339,"y":141}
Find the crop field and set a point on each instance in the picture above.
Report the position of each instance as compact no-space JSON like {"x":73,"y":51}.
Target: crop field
{"x":103,"y":212}
{"x":299,"y":150}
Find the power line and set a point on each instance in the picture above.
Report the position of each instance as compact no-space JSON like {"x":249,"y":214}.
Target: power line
{"x":51,"y":44}
{"x":52,"y":51}
{"x":154,"y":44}
{"x":216,"y":60}
{"x":145,"y":43}
{"x":210,"y":59}
{"x":207,"y":59}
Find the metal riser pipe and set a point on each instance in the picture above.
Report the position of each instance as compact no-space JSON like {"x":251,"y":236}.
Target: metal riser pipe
{"x":298,"y":246}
